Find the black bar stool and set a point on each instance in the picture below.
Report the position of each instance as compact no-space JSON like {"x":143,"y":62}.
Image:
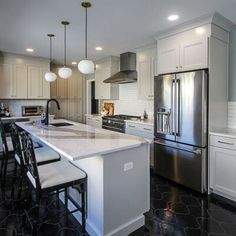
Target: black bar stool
{"x":49,"y":178}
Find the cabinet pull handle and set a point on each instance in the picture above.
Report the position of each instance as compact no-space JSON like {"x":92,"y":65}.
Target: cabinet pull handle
{"x":177,"y":67}
{"x":225,"y":143}
{"x":131,"y":126}
{"x":147,"y":129}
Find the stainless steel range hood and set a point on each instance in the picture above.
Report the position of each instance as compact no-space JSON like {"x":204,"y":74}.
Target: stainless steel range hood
{"x":128,"y":73}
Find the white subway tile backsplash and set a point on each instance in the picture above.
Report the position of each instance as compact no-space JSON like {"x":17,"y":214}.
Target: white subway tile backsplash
{"x":129,"y":103}
{"x":15,"y":105}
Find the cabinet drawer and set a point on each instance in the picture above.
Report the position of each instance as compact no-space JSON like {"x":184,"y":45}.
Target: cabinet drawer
{"x":140,"y":127}
{"x":223,"y":142}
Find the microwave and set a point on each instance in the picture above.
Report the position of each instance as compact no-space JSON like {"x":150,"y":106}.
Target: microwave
{"x":32,"y":110}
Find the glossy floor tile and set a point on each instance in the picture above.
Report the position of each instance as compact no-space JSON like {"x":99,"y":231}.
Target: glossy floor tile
{"x":175,"y":211}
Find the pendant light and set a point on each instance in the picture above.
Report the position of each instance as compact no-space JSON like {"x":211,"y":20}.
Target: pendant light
{"x":65,"y":72}
{"x":50,"y":76}
{"x":86,"y":66}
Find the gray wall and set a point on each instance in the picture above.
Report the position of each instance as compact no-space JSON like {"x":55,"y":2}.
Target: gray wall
{"x":232,"y":66}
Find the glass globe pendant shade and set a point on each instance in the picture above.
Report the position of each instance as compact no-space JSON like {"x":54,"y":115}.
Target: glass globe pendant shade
{"x":86,"y":66}
{"x":50,"y":76}
{"x":65,"y":72}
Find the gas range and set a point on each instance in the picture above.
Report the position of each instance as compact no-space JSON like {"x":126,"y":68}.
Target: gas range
{"x":116,"y":122}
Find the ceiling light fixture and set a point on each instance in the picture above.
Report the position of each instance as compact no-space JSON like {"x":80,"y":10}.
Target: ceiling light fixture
{"x":173,"y":17}
{"x":98,"y":48}
{"x":86,"y":66}
{"x":50,"y":76}
{"x":29,"y":49}
{"x":65,"y":72}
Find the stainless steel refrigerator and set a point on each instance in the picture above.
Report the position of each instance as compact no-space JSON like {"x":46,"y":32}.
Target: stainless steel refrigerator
{"x":180,"y":112}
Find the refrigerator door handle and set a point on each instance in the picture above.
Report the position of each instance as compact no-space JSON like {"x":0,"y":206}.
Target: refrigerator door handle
{"x":173,"y":108}
{"x":196,"y":152}
{"x":177,"y":131}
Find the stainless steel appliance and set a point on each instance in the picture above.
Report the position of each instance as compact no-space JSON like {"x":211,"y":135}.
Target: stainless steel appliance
{"x":116,"y":122}
{"x":128,"y":73}
{"x":180,"y":112}
{"x":32,"y":110}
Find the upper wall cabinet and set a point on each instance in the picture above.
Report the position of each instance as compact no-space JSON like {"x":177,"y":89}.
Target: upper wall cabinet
{"x":104,"y":69}
{"x":13,"y":81}
{"x":38,"y":87}
{"x":22,"y":77}
{"x":146,"y":68}
{"x":184,"y":51}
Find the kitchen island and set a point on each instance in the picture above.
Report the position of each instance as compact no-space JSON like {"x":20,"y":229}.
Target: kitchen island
{"x":117,"y":166}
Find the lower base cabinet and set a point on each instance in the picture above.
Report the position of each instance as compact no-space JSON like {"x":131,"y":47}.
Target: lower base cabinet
{"x":95,"y":121}
{"x":223,"y":167}
{"x":144,"y":131}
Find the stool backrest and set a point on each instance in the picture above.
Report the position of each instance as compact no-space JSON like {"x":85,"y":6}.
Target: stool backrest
{"x":4,"y":140}
{"x":29,"y":158}
{"x":16,"y":142}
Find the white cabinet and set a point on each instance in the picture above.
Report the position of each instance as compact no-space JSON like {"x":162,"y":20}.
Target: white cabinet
{"x":142,"y":130}
{"x":223,"y":166}
{"x":94,"y":120}
{"x":146,"y":68}
{"x":13,"y":81}
{"x":104,"y":69}
{"x":19,"y":82}
{"x":184,"y":51}
{"x":38,"y":87}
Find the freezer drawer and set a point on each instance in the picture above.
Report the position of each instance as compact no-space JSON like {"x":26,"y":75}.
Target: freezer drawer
{"x":183,"y":164}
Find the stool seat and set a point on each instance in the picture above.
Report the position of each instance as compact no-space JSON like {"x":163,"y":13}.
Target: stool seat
{"x":43,"y":154}
{"x":57,"y":173}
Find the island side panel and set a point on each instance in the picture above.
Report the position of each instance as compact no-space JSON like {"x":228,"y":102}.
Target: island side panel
{"x":93,"y":166}
{"x":126,"y":190}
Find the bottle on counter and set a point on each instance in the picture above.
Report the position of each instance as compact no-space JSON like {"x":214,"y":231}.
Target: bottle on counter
{"x":145,"y":114}
{"x":43,"y":118}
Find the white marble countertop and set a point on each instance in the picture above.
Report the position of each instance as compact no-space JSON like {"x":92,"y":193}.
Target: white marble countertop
{"x":144,"y":122}
{"x":79,"y":140}
{"x":224,"y":132}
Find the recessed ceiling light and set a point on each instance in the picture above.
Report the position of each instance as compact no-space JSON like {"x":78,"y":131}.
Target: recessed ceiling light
{"x":29,"y":49}
{"x":74,"y":63}
{"x":173,"y":17}
{"x":98,"y":48}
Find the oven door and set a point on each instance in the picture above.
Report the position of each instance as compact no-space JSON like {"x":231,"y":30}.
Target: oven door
{"x":183,"y":164}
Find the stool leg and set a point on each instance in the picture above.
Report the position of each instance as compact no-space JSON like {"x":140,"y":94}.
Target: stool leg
{"x":83,"y":202}
{"x":14,"y":180}
{"x":4,"y":177}
{"x":20,"y":182}
{"x":36,"y":219}
{"x":66,"y":198}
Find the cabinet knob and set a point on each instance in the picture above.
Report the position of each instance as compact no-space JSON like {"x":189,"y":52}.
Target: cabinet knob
{"x":177,"y":67}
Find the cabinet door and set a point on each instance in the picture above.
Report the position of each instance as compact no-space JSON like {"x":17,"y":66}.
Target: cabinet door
{"x":75,"y":85}
{"x":89,"y":120}
{"x":19,"y":82}
{"x":62,"y":88}
{"x":6,"y":80}
{"x":194,"y":54}
{"x":168,"y":55}
{"x":44,"y":85}
{"x":102,"y":90}
{"x":63,"y":112}
{"x":34,"y":82}
{"x":223,"y":171}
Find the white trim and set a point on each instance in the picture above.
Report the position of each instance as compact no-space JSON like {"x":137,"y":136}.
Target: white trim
{"x":123,"y":230}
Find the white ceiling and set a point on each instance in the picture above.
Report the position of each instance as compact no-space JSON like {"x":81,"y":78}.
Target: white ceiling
{"x":116,"y":25}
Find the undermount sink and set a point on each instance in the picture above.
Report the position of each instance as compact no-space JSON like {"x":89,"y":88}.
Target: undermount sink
{"x":61,"y":124}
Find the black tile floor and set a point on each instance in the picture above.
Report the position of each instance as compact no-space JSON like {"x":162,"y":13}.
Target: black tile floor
{"x":175,"y":211}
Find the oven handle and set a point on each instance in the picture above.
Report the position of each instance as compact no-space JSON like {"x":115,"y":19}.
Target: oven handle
{"x":111,"y":128}
{"x":196,"y":152}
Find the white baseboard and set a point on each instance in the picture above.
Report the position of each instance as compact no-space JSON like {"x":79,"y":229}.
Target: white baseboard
{"x":123,"y":230}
